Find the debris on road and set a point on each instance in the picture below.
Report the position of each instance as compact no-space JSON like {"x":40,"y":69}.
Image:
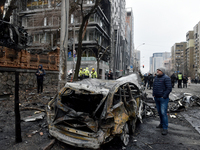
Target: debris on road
{"x":33,"y":133}
{"x":32,"y":108}
{"x":41,"y":133}
{"x":49,"y":146}
{"x":34,"y":117}
{"x":172,"y":116}
{"x":185,"y":100}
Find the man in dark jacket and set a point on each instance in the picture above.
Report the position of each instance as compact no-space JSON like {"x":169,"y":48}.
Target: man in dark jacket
{"x":161,"y":90}
{"x":110,"y":75}
{"x":185,"y":79}
{"x":40,"y":77}
{"x":173,"y":79}
{"x":151,"y":78}
{"x":145,"y":79}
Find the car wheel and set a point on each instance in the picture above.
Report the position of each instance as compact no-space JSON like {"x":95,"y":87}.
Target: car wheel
{"x":125,"y":135}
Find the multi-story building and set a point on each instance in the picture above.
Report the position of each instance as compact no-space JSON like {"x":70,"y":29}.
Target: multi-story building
{"x":167,"y":66}
{"x":177,"y":57}
{"x":42,"y":19}
{"x":130,"y":41}
{"x":189,"y":55}
{"x":118,"y":43}
{"x":151,"y":64}
{"x":197,"y":49}
{"x":137,"y":60}
{"x":158,"y":61}
{"x":97,"y":36}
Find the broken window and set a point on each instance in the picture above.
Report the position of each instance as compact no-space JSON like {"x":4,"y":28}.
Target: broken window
{"x":81,"y":101}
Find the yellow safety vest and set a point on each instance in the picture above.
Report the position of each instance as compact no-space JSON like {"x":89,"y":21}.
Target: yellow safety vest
{"x":93,"y":74}
{"x":87,"y":72}
{"x":81,"y":73}
{"x":180,"y":76}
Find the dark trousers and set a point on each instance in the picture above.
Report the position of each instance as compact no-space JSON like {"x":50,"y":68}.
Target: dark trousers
{"x":145,"y":82}
{"x":184,"y":85}
{"x":150,"y":84}
{"x":173,"y":84}
{"x":179,"y":83}
{"x":40,"y":85}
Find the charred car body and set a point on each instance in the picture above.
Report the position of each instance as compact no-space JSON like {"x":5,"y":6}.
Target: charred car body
{"x":13,"y":36}
{"x":92,"y":112}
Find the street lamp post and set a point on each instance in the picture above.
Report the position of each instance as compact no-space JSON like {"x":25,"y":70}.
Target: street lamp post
{"x":135,"y":64}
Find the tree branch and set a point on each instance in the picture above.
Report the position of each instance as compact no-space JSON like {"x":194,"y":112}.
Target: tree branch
{"x":82,"y":9}
{"x":104,"y":52}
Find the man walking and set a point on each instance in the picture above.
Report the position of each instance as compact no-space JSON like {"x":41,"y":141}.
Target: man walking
{"x":161,"y":90}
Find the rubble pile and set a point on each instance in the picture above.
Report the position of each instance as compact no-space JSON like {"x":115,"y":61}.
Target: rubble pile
{"x":177,"y":103}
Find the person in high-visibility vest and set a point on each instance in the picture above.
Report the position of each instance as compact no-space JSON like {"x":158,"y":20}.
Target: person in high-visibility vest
{"x":93,"y":73}
{"x":87,"y":73}
{"x":81,"y":73}
{"x":180,"y":78}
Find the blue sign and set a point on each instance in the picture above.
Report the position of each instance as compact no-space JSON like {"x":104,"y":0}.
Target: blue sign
{"x":174,"y":71}
{"x":69,"y":54}
{"x":131,"y":66}
{"x":178,"y":71}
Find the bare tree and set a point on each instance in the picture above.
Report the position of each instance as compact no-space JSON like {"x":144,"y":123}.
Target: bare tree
{"x":85,"y":15}
{"x":100,"y":54}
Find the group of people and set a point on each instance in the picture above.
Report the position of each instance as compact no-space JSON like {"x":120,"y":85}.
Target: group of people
{"x":181,"y":79}
{"x":85,"y":73}
{"x":148,"y":80}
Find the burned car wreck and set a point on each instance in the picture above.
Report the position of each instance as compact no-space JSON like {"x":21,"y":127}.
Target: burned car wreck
{"x":92,"y":112}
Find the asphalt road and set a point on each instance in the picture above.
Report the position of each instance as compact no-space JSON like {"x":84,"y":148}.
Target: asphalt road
{"x":183,"y":131}
{"x":182,"y":134}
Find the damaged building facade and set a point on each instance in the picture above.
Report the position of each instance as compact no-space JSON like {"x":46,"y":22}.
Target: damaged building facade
{"x":28,"y":18}
{"x":42,"y":19}
{"x":97,"y":35}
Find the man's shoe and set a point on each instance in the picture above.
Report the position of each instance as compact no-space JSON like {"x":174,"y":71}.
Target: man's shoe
{"x":159,"y":126}
{"x":164,"y":132}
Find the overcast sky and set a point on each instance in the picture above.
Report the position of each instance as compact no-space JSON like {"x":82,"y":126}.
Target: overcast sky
{"x":162,"y":23}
